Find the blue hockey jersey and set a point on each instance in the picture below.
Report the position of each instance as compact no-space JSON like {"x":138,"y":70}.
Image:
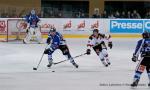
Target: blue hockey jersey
{"x":143,"y":47}
{"x":55,"y":40}
{"x":62,"y":41}
{"x":32,"y":20}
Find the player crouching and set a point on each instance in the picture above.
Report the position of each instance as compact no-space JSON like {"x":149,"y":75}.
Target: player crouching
{"x":97,"y":42}
{"x":33,"y":29}
{"x":143,"y":49}
{"x":56,"y":41}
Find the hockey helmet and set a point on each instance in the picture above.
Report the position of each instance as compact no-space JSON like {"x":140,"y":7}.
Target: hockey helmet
{"x":95,"y":30}
{"x":33,"y":12}
{"x":52,"y":30}
{"x":146,"y":34}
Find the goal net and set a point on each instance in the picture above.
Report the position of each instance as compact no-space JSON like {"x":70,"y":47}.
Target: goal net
{"x":15,"y":29}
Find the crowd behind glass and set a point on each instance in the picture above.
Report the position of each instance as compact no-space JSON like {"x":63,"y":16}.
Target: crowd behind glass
{"x":76,"y":14}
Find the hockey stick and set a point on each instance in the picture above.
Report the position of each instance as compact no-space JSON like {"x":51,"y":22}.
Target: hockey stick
{"x":73,"y":58}
{"x":35,"y":68}
{"x":68,"y":59}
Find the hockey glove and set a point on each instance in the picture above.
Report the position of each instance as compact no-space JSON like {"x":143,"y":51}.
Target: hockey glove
{"x":48,"y":40}
{"x":134,"y":58}
{"x":46,"y":51}
{"x":110,"y":45}
{"x":49,"y":50}
{"x":88,"y":51}
{"x":27,"y":30}
{"x":52,"y":48}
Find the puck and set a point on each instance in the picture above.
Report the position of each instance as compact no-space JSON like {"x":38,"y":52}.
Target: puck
{"x":53,"y":71}
{"x":34,"y":68}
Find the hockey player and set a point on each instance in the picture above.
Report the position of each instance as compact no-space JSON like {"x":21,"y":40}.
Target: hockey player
{"x":142,"y":49}
{"x":33,"y":28}
{"x":97,"y":42}
{"x":56,"y":41}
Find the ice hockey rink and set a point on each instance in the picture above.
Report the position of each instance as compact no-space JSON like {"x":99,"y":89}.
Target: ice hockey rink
{"x":17,"y":61}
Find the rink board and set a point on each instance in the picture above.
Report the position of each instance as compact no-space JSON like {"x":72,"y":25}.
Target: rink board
{"x":78,"y":28}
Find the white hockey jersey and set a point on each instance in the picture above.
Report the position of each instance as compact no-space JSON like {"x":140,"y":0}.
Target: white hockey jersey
{"x":101,"y":39}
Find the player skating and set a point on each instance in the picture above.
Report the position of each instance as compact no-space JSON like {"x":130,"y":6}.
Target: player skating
{"x":143,"y":49}
{"x":97,"y":42}
{"x":33,"y":28}
{"x":56,"y":41}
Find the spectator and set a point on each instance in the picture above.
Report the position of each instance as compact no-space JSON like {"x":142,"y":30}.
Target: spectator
{"x":42,"y":14}
{"x":117,"y":14}
{"x":59,"y":15}
{"x":104,"y":15}
{"x":82,"y":15}
{"x":136,"y":15}
{"x":51,"y":14}
{"x":123,"y":15}
{"x":78,"y":15}
{"x":129,"y":14}
{"x":96,"y":14}
{"x":147,"y":15}
{"x":15,"y":16}
{"x":111,"y":16}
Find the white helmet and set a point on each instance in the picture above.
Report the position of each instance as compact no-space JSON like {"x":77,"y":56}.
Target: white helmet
{"x":33,"y":12}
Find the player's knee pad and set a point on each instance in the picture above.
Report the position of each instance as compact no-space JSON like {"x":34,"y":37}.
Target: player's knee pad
{"x":28,"y":35}
{"x":104,"y":52}
{"x":101,"y":56}
{"x":50,"y":58}
{"x":37,"y":32}
{"x":31,"y":31}
{"x":71,"y":60}
{"x":27,"y":38}
{"x":137,"y":75}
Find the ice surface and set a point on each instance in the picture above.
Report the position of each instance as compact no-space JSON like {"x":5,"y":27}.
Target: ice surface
{"x":17,"y":61}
